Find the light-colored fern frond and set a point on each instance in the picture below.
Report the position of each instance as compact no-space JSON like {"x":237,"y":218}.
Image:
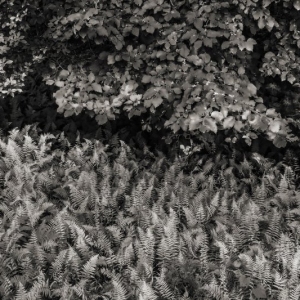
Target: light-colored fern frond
{"x":89,"y":268}
{"x":274,"y":226}
{"x":146,"y":292}
{"x":163,"y":289}
{"x":21,"y":292}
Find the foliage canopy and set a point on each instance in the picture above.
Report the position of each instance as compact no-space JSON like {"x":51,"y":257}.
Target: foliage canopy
{"x":198,"y":68}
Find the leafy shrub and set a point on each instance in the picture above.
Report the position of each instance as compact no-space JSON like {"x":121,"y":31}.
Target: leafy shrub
{"x":197,"y":69}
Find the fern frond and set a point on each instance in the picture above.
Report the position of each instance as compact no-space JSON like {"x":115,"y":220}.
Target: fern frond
{"x":295,"y":293}
{"x":146,"y":292}
{"x":79,"y":289}
{"x":74,"y":261}
{"x":295,"y":268}
{"x":163,"y":289}
{"x":12,"y":154}
{"x":21,"y":292}
{"x":190,"y":217}
{"x":274,"y":227}
{"x":147,"y":243}
{"x":28,"y":149}
{"x":89,"y":268}
{"x":40,"y":288}
{"x":279,"y":281}
{"x":214,"y":204}
{"x":214,"y":289}
{"x":283,"y":185}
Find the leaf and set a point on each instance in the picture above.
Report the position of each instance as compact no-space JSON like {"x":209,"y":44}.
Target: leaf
{"x":138,"y":2}
{"x":249,"y":44}
{"x":59,"y":97}
{"x":194,"y":121}
{"x":248,"y":141}
{"x":150,"y":29}
{"x":264,"y":123}
{"x":291,"y":78}
{"x":128,"y":87}
{"x":297,"y":4}
{"x":156,"y":101}
{"x":271,"y":113}
{"x":198,"y":23}
{"x":280,"y":141}
{"x":252,"y":88}
{"x":207,"y":42}
{"x":257,"y":14}
{"x":217,"y":115}
{"x":164,"y":93}
{"x":64,"y":74}
{"x":241,"y":70}
{"x":238,"y":126}
{"x":198,"y":45}
{"x":275,"y":126}
{"x":172,"y":38}
{"x":74,"y":17}
{"x":224,"y":111}
{"x":184,"y":50}
{"x":117,"y":102}
{"x":118,"y":44}
{"x":261,"y":23}
{"x":245,"y":114}
{"x":135,"y":97}
{"x":50,"y":82}
{"x":68,"y":113}
{"x":229,"y":122}
{"x":213,"y":34}
{"x":254,"y":120}
{"x":261,"y":108}
{"x":210,"y":124}
{"x":206,"y":57}
{"x":188,"y":34}
{"x":175,"y":127}
{"x":110,"y":59}
{"x":177,"y":91}
{"x":101,"y":119}
{"x":162,"y":55}
{"x":97,"y":87}
{"x":91,"y":77}
{"x":225,"y":45}
{"x":235,"y":107}
{"x":59,"y":83}
{"x":268,"y":55}
{"x":266,"y":3}
{"x":228,"y":79}
{"x":102,"y":31}
{"x":146,"y":79}
{"x":195,"y":60}
{"x":150,"y":93}
{"x":135,"y":31}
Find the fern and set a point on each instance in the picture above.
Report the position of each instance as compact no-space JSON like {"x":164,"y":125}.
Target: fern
{"x":162,"y":288}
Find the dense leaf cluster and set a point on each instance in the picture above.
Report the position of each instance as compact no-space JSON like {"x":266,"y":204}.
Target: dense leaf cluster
{"x":196,"y":68}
